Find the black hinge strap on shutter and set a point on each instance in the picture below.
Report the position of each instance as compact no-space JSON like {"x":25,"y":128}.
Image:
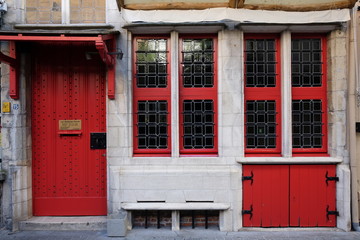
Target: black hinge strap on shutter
{"x":336,"y":213}
{"x":245,"y":178}
{"x":335,"y":178}
{"x":248,"y":211}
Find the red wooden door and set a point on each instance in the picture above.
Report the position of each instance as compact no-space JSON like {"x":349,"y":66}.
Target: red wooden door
{"x":69,"y":178}
{"x":266,"y":195}
{"x":289,"y":195}
{"x":311,"y":196}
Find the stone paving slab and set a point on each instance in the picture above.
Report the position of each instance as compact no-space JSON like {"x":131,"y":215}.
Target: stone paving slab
{"x":166,"y":234}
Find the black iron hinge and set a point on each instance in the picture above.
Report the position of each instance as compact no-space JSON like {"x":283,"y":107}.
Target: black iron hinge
{"x":335,"y":178}
{"x":248,"y":211}
{"x":246,"y":178}
{"x":336,"y":213}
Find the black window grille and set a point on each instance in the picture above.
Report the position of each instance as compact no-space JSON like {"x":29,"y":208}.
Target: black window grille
{"x":198,"y":63}
{"x":307,"y":123}
{"x":260,"y":63}
{"x":151,"y":63}
{"x":152,"y":124}
{"x":198,"y":124}
{"x":261,"y":124}
{"x":306,"y":63}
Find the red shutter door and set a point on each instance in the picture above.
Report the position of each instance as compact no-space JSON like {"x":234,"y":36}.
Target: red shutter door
{"x":68,"y":104}
{"x":289,"y":195}
{"x":311,"y":196}
{"x":266,"y":193}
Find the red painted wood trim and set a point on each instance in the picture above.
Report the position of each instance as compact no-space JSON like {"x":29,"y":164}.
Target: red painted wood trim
{"x":62,"y":38}
{"x":151,"y":94}
{"x":265,"y":93}
{"x":100,"y":44}
{"x":111,"y":71}
{"x":14,"y":81}
{"x":7,"y":59}
{"x":315,"y":93}
{"x":198,"y":94}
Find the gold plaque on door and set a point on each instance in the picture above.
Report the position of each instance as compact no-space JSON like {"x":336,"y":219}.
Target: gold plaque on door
{"x":69,"y":124}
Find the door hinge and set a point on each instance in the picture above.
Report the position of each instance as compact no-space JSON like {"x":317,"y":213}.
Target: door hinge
{"x":248,"y":211}
{"x":336,"y":213}
{"x":246,"y":178}
{"x":330,"y":178}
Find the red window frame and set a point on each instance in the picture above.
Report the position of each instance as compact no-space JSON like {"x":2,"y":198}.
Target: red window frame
{"x":151,"y":94}
{"x":265,"y":93}
{"x":208,"y":93}
{"x":307,"y":93}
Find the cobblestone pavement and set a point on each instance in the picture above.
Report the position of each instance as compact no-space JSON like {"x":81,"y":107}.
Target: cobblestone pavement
{"x":164,"y":234}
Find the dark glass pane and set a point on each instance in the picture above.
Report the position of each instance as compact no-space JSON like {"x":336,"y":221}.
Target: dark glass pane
{"x":260,"y":124}
{"x":306,"y":64}
{"x":198,"y":65}
{"x":307,"y":123}
{"x":151,"y":63}
{"x":198,"y":122}
{"x":260,"y":63}
{"x":152,"y":124}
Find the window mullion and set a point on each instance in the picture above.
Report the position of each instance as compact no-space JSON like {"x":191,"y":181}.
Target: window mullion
{"x":174,"y":46}
{"x":286,"y":94}
{"x":65,"y":11}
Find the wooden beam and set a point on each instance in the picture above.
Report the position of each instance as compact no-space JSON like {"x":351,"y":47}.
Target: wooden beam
{"x":302,"y":7}
{"x":175,"y":5}
{"x":232,"y":3}
{"x":238,"y":4}
{"x":120,"y":4}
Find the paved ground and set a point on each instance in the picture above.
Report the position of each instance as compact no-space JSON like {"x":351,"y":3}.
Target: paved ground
{"x":164,"y":234}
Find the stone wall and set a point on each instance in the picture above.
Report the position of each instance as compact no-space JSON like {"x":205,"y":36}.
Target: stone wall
{"x":16,"y":144}
{"x":181,"y":179}
{"x":50,"y":11}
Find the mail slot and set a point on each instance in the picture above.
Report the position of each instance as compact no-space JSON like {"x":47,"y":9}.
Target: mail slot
{"x":98,"y":140}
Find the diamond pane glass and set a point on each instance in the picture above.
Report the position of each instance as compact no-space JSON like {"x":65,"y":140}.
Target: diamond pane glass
{"x":198,"y":63}
{"x":307,"y":123}
{"x":306,"y":63}
{"x":260,"y":63}
{"x":260,"y":124}
{"x":198,"y":121}
{"x":151,"y":63}
{"x":152,"y":124}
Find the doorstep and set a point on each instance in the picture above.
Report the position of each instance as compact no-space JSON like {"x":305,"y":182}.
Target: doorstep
{"x":64,"y":223}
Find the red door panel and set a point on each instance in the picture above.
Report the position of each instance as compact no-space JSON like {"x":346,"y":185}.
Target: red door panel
{"x":266,"y":195}
{"x":311,"y":196}
{"x":69,"y":178}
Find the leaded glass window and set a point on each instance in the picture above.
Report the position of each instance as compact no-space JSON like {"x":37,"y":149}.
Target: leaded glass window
{"x":198,"y":124}
{"x":198,"y":63}
{"x":307,"y":123}
{"x":306,"y":62}
{"x":151,"y":63}
{"x":260,"y":63}
{"x":152,"y":124}
{"x":261,"y":124}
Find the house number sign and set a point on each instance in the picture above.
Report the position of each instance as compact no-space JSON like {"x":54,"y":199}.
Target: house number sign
{"x":69,"y":124}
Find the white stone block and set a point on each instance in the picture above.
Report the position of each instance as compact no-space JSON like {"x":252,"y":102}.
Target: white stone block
{"x":222,"y":196}
{"x":116,"y":227}
{"x":113,"y":137}
{"x":225,"y":221}
{"x":216,"y":182}
{"x":199,"y":195}
{"x":175,"y":196}
{"x":128,"y":195}
{"x":175,"y":217}
{"x":227,"y":136}
{"x":151,"y":195}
